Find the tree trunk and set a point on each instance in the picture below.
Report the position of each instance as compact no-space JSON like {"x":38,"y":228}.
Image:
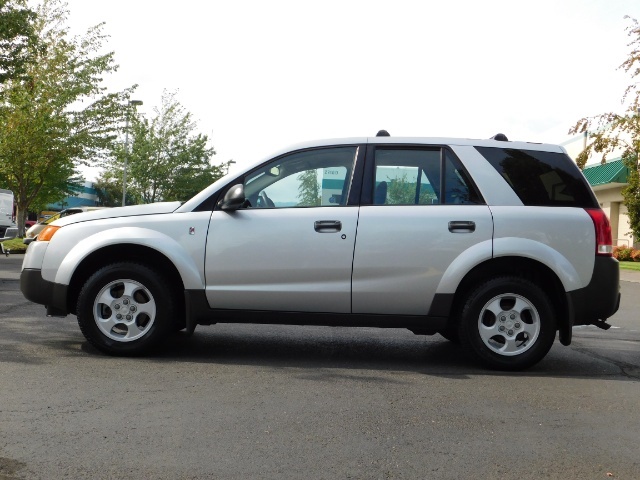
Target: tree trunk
{"x":21,"y":214}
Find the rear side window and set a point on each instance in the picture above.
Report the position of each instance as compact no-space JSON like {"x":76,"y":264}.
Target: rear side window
{"x":546,"y":179}
{"x":410,"y":176}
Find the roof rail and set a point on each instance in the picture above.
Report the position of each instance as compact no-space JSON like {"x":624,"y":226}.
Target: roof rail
{"x":500,"y":137}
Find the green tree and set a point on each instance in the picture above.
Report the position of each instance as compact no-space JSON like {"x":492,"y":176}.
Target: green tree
{"x":17,"y":37}
{"x":612,"y":132}
{"x":309,"y":189}
{"x":631,"y":195}
{"x":168,"y":160}
{"x":109,"y":191}
{"x":58,"y":115}
{"x":402,"y":191}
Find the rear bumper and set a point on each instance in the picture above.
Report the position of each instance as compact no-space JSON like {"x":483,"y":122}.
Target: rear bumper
{"x":38,"y":290}
{"x":601,"y":298}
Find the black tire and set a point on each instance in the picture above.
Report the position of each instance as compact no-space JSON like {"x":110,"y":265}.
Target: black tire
{"x":451,"y":333}
{"x":137,"y":293}
{"x":508,"y":323}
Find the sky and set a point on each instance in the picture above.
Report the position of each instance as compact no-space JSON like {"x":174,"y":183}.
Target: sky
{"x":261,"y":75}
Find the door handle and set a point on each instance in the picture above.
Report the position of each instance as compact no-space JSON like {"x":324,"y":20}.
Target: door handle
{"x":327,"y":226}
{"x":461,"y":226}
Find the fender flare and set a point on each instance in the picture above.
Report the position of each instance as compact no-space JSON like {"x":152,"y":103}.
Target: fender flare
{"x":509,"y":247}
{"x":188,"y":270}
{"x":463,"y":264}
{"x":542,"y":253}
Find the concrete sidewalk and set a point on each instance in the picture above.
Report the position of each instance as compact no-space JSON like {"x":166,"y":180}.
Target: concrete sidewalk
{"x":10,"y":269}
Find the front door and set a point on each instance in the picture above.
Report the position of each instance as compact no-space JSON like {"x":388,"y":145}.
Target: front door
{"x":291,"y":248}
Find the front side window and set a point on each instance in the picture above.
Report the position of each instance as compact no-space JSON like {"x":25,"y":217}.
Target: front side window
{"x":417,"y":176}
{"x":312,"y":178}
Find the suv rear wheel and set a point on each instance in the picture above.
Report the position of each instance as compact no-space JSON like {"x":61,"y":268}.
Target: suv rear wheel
{"x":508,"y":323}
{"x":125,"y":309}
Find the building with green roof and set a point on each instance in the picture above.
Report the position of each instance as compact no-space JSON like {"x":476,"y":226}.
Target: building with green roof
{"x":608,"y":180}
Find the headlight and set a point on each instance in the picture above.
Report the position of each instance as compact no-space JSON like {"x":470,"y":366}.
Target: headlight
{"x":47,"y":233}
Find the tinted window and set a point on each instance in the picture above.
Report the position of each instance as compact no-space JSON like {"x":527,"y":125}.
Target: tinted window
{"x":458,"y":187}
{"x":541,"y":178}
{"x":415,"y":177}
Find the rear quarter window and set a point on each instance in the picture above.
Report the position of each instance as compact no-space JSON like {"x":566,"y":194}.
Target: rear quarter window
{"x":546,"y":179}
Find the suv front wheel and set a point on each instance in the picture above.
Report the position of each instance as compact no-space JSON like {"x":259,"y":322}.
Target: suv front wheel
{"x":508,"y":323}
{"x":125,"y":309}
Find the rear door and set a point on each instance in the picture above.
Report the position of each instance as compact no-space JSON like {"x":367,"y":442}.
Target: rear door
{"x":420,"y":212}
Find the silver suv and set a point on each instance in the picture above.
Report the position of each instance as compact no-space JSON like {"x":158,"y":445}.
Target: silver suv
{"x":494,"y":244}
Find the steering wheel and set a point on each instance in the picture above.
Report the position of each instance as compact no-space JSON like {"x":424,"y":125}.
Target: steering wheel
{"x":264,"y":201}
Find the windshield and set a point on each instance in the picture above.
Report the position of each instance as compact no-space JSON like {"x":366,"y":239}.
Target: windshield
{"x":52,"y":218}
{"x":62,"y":214}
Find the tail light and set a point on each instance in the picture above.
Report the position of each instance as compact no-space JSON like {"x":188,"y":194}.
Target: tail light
{"x":604,"y":243}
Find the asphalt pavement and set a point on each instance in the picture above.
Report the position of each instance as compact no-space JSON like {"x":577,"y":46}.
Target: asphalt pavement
{"x":10,"y":266}
{"x":282,"y":402}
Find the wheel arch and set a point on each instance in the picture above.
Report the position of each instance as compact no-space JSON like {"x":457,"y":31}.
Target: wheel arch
{"x":123,"y":252}
{"x":529,"y":269}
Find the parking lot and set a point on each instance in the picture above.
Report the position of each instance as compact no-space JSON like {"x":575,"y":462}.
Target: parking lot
{"x":249,"y":401}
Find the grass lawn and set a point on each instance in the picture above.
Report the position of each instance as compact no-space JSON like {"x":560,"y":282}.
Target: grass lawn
{"x":15,"y":245}
{"x":630,"y":265}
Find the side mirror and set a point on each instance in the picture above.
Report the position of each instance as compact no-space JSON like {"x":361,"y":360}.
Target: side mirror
{"x":234,"y":198}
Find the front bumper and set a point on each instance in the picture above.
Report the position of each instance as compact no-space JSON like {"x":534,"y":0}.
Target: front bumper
{"x":38,"y":290}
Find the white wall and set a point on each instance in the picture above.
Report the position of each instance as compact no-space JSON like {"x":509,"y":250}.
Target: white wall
{"x":610,"y":199}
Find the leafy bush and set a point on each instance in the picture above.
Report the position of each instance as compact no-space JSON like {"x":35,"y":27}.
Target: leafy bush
{"x":626,"y":254}
{"x":623,"y":254}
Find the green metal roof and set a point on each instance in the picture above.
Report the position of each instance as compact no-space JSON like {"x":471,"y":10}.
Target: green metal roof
{"x":610,"y":172}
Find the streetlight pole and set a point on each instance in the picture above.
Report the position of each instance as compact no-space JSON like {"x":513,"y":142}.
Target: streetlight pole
{"x":132,"y":103}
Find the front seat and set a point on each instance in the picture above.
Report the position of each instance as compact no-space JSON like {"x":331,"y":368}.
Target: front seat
{"x":380,"y":195}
